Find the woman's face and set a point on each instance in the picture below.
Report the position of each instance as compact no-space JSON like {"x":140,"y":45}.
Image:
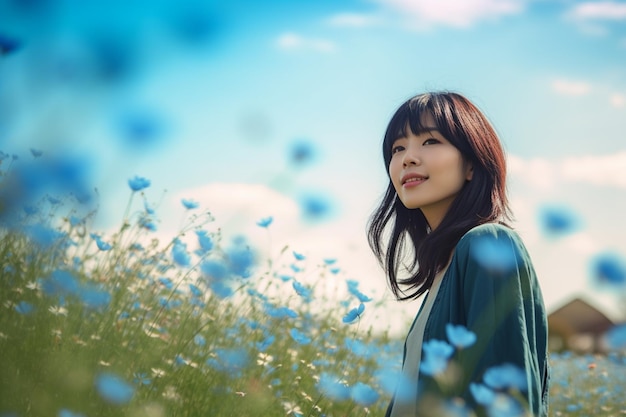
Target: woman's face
{"x":427,"y":172}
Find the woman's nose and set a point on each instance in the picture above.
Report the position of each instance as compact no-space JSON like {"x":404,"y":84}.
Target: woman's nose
{"x":411,"y":157}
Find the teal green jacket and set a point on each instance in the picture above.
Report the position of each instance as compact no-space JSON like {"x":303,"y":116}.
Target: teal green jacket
{"x":491,"y":288}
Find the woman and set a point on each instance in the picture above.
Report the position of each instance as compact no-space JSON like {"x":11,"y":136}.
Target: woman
{"x":444,"y":212}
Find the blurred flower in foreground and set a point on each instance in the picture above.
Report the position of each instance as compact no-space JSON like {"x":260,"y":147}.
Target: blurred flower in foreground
{"x":482,"y":394}
{"x":141,"y":129}
{"x":179,"y":253}
{"x":302,"y":152}
{"x":558,"y":220}
{"x":493,"y":254}
{"x":395,"y":382}
{"x":460,"y":336}
{"x":299,"y":337}
{"x":138,"y":183}
{"x":363,"y":394}
{"x":506,"y":376}
{"x":8,"y":44}
{"x":315,"y":206}
{"x":354,"y":314}
{"x":24,"y":308}
{"x":204,"y":240}
{"x":435,"y":358}
{"x":265,"y":222}
{"x":331,"y":387}
{"x":190,"y":204}
{"x":114,"y":389}
{"x":609,"y":268}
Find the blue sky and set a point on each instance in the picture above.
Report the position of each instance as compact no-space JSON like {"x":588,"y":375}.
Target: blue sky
{"x":226,"y":106}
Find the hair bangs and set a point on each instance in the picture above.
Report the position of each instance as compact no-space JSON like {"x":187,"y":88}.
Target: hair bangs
{"x":407,"y":119}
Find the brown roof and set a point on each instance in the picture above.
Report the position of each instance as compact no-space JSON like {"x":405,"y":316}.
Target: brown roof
{"x":578,"y":316}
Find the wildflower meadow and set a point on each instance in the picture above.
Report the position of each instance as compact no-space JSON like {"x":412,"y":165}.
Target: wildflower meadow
{"x":123,"y":324}
{"x":124,"y":321}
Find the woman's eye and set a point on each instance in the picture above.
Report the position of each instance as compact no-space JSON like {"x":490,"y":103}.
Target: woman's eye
{"x":430,"y":141}
{"x":396,"y":149}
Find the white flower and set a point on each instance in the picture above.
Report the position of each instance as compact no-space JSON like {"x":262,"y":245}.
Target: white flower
{"x":291,"y":408}
{"x":58,"y":310}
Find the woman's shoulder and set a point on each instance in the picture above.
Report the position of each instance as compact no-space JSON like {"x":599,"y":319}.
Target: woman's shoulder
{"x":495,"y":230}
{"x":491,"y":238}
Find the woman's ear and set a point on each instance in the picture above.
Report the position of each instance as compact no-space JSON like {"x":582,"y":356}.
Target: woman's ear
{"x":469,"y":171}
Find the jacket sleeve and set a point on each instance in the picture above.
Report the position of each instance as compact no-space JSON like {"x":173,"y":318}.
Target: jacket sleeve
{"x":502,"y":304}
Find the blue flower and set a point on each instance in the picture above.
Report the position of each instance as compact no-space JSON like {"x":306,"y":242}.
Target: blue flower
{"x":558,"y":220}
{"x":301,"y":290}
{"x":94,"y":297}
{"x":482,"y":394}
{"x":363,"y":394}
{"x":506,"y":376}
{"x":102,"y":245}
{"x":195,"y":290}
{"x":299,"y":337}
{"x":190,"y":204}
{"x":460,"y":336}
{"x":265,"y":343}
{"x":149,"y":210}
{"x":609,"y":268}
{"x":140,"y":378}
{"x":395,"y":382}
{"x":265,"y":222}
{"x":60,"y":282}
{"x":114,"y":389}
{"x":231,"y":361}
{"x":241,"y":259}
{"x":330,"y":386}
{"x":43,"y":236}
{"x":214,"y":269}
{"x":298,"y":256}
{"x":302,"y":152}
{"x":433,"y":365}
{"x":493,"y":254}
{"x":179,"y":254}
{"x":199,"y":340}
{"x":204,"y":240}
{"x":315,"y":206}
{"x":353,"y":314}
{"x":221,"y":289}
{"x":354,"y":290}
{"x":138,"y":183}
{"x":36,"y":153}
{"x":24,"y":307}
{"x":141,"y":128}
{"x":435,"y":357}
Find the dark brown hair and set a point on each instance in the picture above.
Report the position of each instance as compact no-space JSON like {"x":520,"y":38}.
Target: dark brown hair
{"x":481,"y":200}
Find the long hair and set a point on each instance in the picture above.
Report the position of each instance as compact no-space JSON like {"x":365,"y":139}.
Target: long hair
{"x":481,"y":200}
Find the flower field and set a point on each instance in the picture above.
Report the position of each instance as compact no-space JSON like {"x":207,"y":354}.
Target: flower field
{"x":122,"y":324}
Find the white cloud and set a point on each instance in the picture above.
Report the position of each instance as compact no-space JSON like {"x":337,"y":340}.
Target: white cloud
{"x":571,"y":88}
{"x":600,"y":10}
{"x":617,"y":100}
{"x":456,"y":13}
{"x":598,"y":170}
{"x":293,"y":41}
{"x":356,"y":20}
{"x":541,"y":173}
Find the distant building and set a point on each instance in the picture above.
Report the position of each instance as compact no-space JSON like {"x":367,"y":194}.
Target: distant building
{"x":577,"y":326}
